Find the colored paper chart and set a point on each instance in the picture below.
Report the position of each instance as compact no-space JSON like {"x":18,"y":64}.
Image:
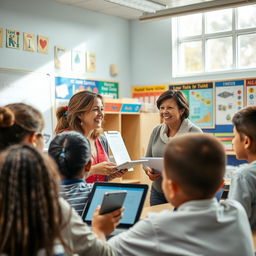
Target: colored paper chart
{"x":65,"y":88}
{"x":251,"y":92}
{"x":109,"y":89}
{"x":229,"y":99}
{"x":200,"y":98}
{"x":148,"y":93}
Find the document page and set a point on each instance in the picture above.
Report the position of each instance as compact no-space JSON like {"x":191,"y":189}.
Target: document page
{"x":117,"y":147}
{"x":119,"y":151}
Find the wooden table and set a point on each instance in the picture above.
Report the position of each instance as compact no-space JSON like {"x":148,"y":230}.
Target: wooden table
{"x":155,"y":208}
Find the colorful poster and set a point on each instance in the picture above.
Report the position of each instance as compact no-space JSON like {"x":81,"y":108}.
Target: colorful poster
{"x":201,"y":102}
{"x":229,"y":99}
{"x":109,"y":89}
{"x":251,"y":92}
{"x":61,"y":58}
{"x":148,"y":94}
{"x":12,"y":39}
{"x":29,"y":42}
{"x":91,"y":62}
{"x":226,"y":139}
{"x":78,"y":61}
{"x":1,"y":37}
{"x":42,"y":44}
{"x":63,"y":88}
{"x":82,"y":85}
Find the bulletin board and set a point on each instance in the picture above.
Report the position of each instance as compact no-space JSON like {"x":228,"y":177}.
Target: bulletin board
{"x":212,"y":104}
{"x":66,"y":87}
{"x":29,"y":87}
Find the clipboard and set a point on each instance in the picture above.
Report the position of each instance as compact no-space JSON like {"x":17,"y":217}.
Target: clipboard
{"x":119,"y":151}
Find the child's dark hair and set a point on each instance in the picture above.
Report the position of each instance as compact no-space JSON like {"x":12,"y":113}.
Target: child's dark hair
{"x":197,"y":163}
{"x":180,"y":99}
{"x":71,"y":151}
{"x":245,"y":122}
{"x":30,"y":216}
{"x":17,"y":121}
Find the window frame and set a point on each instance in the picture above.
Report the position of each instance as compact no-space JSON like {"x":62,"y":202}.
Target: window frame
{"x":234,"y":33}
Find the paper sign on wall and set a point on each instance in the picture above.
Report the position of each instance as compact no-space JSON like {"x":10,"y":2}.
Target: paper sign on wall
{"x":29,"y":42}
{"x":201,"y":105}
{"x":42,"y":44}
{"x":251,"y":92}
{"x":229,"y":99}
{"x":12,"y":38}
{"x":1,"y":37}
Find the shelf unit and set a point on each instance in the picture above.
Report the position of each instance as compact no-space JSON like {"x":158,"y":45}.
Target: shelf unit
{"x":135,"y":129}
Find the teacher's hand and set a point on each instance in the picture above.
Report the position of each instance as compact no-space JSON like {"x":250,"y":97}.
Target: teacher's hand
{"x":117,"y":174}
{"x":152,"y":176}
{"x":103,"y":168}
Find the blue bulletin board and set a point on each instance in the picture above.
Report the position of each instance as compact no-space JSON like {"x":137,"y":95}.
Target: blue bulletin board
{"x":66,"y":87}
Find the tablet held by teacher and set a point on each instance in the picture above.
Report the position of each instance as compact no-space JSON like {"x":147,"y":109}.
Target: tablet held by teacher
{"x":174,"y":112}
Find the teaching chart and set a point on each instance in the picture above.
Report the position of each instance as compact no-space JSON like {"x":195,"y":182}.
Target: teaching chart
{"x":65,"y":88}
{"x":250,"y":92}
{"x":201,"y":102}
{"x":148,"y":94}
{"x":229,"y":99}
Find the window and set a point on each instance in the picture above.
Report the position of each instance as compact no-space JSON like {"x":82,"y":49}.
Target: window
{"x":216,"y":41}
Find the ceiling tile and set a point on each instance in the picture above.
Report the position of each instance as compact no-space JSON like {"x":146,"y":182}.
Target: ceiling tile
{"x":124,"y":12}
{"x":95,"y":5}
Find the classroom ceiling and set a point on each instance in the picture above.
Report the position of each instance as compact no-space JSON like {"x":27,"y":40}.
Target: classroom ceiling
{"x":173,"y":6}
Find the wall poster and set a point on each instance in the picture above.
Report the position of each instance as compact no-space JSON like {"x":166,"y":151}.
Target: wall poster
{"x":1,"y":37}
{"x":201,"y":102}
{"x":250,"y":92}
{"x":29,"y":42}
{"x":149,"y":93}
{"x":66,"y":87}
{"x":229,"y":99}
{"x":12,"y":39}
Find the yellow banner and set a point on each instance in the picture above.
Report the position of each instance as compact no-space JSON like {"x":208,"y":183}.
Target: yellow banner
{"x":149,"y":88}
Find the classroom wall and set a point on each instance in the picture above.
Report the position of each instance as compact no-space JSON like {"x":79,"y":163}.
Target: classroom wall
{"x":150,"y":52}
{"x":69,"y":27}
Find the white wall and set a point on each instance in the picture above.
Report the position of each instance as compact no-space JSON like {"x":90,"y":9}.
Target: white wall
{"x":107,"y":36}
{"x":151,"y":52}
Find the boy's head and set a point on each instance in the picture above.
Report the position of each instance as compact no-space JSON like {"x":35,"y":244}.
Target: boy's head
{"x":72,"y":153}
{"x":194,"y":168}
{"x":244,"y":141}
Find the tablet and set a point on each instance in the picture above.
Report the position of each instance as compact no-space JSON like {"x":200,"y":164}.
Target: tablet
{"x":155,"y":163}
{"x":133,"y":203}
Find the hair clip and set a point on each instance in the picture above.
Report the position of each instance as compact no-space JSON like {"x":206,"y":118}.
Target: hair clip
{"x":62,"y":154}
{"x":65,"y":108}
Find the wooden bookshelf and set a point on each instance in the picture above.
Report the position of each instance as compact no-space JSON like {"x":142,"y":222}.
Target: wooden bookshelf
{"x":135,"y":129}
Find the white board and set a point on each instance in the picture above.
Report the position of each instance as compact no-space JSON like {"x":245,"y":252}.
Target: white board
{"x":32,"y":88}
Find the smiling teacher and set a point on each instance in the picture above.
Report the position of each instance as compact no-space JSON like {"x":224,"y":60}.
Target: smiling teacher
{"x":174,"y":112}
{"x":85,"y":114}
